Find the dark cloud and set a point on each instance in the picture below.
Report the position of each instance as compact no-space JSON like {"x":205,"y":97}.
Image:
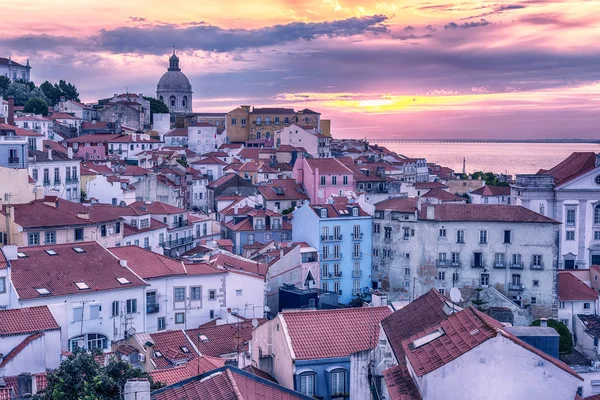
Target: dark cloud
{"x":430,"y":28}
{"x":498,"y":9}
{"x":505,"y":7}
{"x":137,"y":19}
{"x":467,"y":25}
{"x":409,"y":29}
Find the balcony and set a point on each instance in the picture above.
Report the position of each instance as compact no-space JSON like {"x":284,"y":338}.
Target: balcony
{"x":477,"y":264}
{"x":355,"y":292}
{"x":357,"y":256}
{"x":499,"y":264}
{"x":331,"y":257}
{"x":71,"y":180}
{"x":177,"y":242}
{"x":516,"y":287}
{"x":13,"y":160}
{"x":455,"y":264}
{"x":151,"y":308}
{"x":516,"y":265}
{"x":357,"y":273}
{"x":179,"y":224}
{"x":331,"y":238}
{"x":46,"y":182}
{"x":326,"y":275}
{"x":539,"y":266}
{"x":442,"y":263}
{"x":56,"y":182}
{"x":357,"y":237}
{"x":338,"y":274}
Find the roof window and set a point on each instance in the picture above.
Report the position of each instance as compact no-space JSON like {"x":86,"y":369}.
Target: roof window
{"x":51,"y":252}
{"x":81,"y":285}
{"x":430,"y":337}
{"x":123,"y":281}
{"x":43,"y":291}
{"x":78,"y":250}
{"x":157,"y":354}
{"x":21,"y":255}
{"x":203,"y":338}
{"x":184,"y":349}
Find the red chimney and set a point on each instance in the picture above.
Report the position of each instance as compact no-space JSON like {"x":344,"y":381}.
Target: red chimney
{"x":11,"y":111}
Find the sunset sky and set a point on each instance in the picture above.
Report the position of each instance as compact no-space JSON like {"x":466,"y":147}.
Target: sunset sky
{"x":406,"y":69}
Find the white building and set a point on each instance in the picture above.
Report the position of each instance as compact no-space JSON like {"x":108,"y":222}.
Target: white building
{"x":491,"y":195}
{"x":38,"y":124}
{"x":57,"y":173}
{"x":510,"y":251}
{"x":13,"y":70}
{"x":127,"y":147}
{"x":575,"y":297}
{"x":77,"y":109}
{"x":204,"y":138}
{"x":110,"y":189}
{"x":176,"y":137}
{"x":569,"y":193}
{"x":93,"y":296}
{"x":315,"y":143}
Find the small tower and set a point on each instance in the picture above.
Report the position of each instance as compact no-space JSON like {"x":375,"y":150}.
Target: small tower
{"x":464,"y":166}
{"x":174,"y":62}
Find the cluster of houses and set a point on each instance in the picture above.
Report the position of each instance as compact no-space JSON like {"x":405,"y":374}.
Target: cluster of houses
{"x":252,"y":251}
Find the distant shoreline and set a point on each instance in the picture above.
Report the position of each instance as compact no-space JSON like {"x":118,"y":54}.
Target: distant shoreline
{"x":391,"y":140}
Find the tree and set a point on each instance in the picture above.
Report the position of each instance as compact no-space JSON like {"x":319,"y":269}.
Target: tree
{"x":22,"y":92}
{"x":36,"y":105}
{"x":565,"y":342}
{"x":68,"y":90}
{"x":80,"y":377}
{"x":4,"y":82}
{"x":489,"y":177}
{"x":156,"y":107}
{"x":51,"y":92}
{"x":62,"y":89}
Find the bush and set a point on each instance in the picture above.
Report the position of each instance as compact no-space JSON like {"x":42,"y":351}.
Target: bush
{"x":565,"y":343}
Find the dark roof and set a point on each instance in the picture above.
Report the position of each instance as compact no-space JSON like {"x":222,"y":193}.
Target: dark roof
{"x":591,"y":323}
{"x":337,"y":210}
{"x":577,"y":164}
{"x":399,"y":204}
{"x":227,"y":383}
{"x":59,"y":156}
{"x":430,"y":185}
{"x":483,"y":212}
{"x":400,"y":384}
{"x":492,"y":191}
{"x":95,"y":266}
{"x":4,"y":61}
{"x":273,"y":111}
{"x":571,"y":288}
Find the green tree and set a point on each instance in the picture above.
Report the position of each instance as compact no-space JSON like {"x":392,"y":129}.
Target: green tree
{"x":489,"y":177}
{"x":61,"y":89}
{"x":4,"y":82}
{"x":156,"y":107}
{"x":565,"y":342}
{"x":68,"y":90}
{"x":80,"y":377}
{"x":36,"y":105}
{"x":51,"y":92}
{"x":22,"y":92}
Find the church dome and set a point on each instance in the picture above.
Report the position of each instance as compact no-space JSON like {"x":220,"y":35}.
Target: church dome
{"x":174,"y":81}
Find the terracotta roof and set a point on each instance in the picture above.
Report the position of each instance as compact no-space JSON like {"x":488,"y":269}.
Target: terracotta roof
{"x":22,"y":321}
{"x":156,"y":207}
{"x":61,"y":115}
{"x":129,"y":230}
{"x":275,"y":110}
{"x":20,"y":131}
{"x":328,"y":166}
{"x":591,"y":324}
{"x":483,"y":212}
{"x":421,"y":313}
{"x":319,"y":334}
{"x":430,"y":185}
{"x":338,"y":210}
{"x":492,"y":191}
{"x":209,"y":161}
{"x":178,"y":132}
{"x":12,"y":389}
{"x":399,"y":204}
{"x":283,"y":189}
{"x":231,"y":146}
{"x":194,"y":367}
{"x":400,"y":384}
{"x":259,"y":372}
{"x":148,"y":264}
{"x":577,"y":164}
{"x":220,"y":340}
{"x":95,"y":266}
{"x":221,"y":180}
{"x":167,"y":349}
{"x":571,"y":288}
{"x":443,"y":195}
{"x":95,"y":138}
{"x":235,"y":263}
{"x":15,"y":352}
{"x":227,"y":383}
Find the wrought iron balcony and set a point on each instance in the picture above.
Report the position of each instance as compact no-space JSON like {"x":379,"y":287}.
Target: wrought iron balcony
{"x":516,"y":265}
{"x":499,"y":264}
{"x":13,"y":160}
{"x":537,"y":266}
{"x":357,"y":237}
{"x":357,"y":256}
{"x":357,"y":273}
{"x":152,"y":308}
{"x":477,"y":264}
{"x":443,"y":263}
{"x":331,"y":238}
{"x":516,"y":287}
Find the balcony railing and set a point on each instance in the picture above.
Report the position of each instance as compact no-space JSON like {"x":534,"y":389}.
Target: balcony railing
{"x":477,"y":264}
{"x":179,"y":224}
{"x":152,"y":308}
{"x":338,"y":274}
{"x":46,"y":182}
{"x":327,"y":275}
{"x":455,"y":264}
{"x":536,"y":266}
{"x":177,"y":242}
{"x":499,"y":264}
{"x":72,"y":180}
{"x":357,"y":273}
{"x":329,"y":257}
{"x":13,"y":160}
{"x":355,"y":292}
{"x":358,"y":255}
{"x":516,"y":287}
{"x":331,"y":238}
{"x":57,"y":181}
{"x":516,"y":265}
{"x":357,"y":237}
{"x":442,"y":263}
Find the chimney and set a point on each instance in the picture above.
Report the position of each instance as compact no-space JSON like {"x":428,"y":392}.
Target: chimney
{"x":50,"y":154}
{"x":544,"y":322}
{"x":123,"y":263}
{"x":430,"y":212}
{"x":70,"y":152}
{"x":24,"y":386}
{"x":10,"y":119}
{"x":137,"y":389}
{"x":10,"y":252}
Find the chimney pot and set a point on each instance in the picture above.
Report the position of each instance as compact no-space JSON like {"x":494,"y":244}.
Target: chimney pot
{"x":50,"y":154}
{"x":544,"y":322}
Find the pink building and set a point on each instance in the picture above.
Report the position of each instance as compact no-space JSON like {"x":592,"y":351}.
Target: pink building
{"x":323,"y":177}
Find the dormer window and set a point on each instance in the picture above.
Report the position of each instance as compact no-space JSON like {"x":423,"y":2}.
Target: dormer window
{"x":323,"y":213}
{"x":355,"y":212}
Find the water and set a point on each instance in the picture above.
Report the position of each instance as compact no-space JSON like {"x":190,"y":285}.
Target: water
{"x":508,"y":158}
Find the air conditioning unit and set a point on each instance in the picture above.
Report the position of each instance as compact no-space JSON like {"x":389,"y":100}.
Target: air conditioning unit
{"x":141,"y":357}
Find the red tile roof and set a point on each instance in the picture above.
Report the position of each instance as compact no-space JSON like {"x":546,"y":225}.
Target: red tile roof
{"x":319,"y":334}
{"x":443,"y":196}
{"x":483,"y":212}
{"x":221,"y":180}
{"x":227,"y":383}
{"x":430,"y":185}
{"x":178,"y":132}
{"x":221,"y":339}
{"x":209,"y":161}
{"x":155,"y":207}
{"x":129,"y":230}
{"x":283,"y":189}
{"x":399,"y":204}
{"x":20,"y":131}
{"x":231,"y":262}
{"x":400,"y":384}
{"x":148,"y":264}
{"x":169,"y":344}
{"x":328,"y":166}
{"x":571,"y":288}
{"x":15,"y":352}
{"x":492,"y":191}
{"x":337,"y":210}
{"x":96,"y":267}
{"x":577,"y":164}
{"x":197,"y":366}
{"x":22,"y":321}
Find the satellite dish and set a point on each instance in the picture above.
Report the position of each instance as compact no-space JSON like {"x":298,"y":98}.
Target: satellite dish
{"x":80,"y":343}
{"x":254,"y":322}
{"x":455,"y":295}
{"x":131,"y":331}
{"x":267,"y":308}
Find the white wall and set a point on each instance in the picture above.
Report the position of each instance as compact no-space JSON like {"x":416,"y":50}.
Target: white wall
{"x":38,"y":356}
{"x":105,"y":191}
{"x":251,"y":303}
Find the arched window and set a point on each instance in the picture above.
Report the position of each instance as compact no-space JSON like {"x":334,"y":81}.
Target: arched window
{"x":89,"y":341}
{"x":184,"y":101}
{"x":597,"y":214}
{"x":306,"y":383}
{"x":257,"y":135}
{"x":173,"y":101}
{"x":268,"y":135}
{"x":162,"y":99}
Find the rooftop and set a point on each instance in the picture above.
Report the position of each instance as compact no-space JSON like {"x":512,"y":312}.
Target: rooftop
{"x":194,"y":367}
{"x":328,"y":166}
{"x":571,"y":288}
{"x":577,"y":164}
{"x":492,"y":191}
{"x":24,"y":321}
{"x":220,"y":340}
{"x":483,"y":212}
{"x":398,"y":204}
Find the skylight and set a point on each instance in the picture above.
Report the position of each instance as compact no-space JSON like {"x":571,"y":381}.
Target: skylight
{"x":157,"y":354}
{"x":81,"y":285}
{"x":21,"y":255}
{"x":51,"y":252}
{"x":185,"y":349}
{"x":123,"y":281}
{"x":203,"y":338}
{"x":430,"y":337}
{"x":78,"y":250}
{"x":43,"y":291}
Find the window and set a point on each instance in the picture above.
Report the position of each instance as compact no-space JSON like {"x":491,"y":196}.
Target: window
{"x":212,"y":314}
{"x":345,"y":180}
{"x":357,"y":252}
{"x":179,"y":294}
{"x":212,"y":294}
{"x":407,"y":271}
{"x":355,"y":212}
{"x":333,"y":180}
{"x":460,"y":236}
{"x":325,"y":286}
{"x":534,"y":300}
{"x":570,"y":217}
{"x":68,"y":174}
{"x":388,"y":232}
{"x":233,"y":121}
{"x":596,"y":235}
{"x":441,"y":276}
{"x":336,"y":269}
{"x":77,"y":314}
{"x":307,"y":381}
{"x":196,"y":292}
{"x":131,"y":306}
{"x":34,"y":239}
{"x":537,"y":260}
{"x":46,"y":176}
{"x":336,"y":251}
{"x":455,"y":277}
{"x":323,"y":181}
{"x":242,"y":121}
{"x":455,"y":258}
{"x":484,"y":279}
{"x":570,"y":235}
{"x":377,"y":228}
{"x":482,"y":237}
{"x":115,"y":308}
{"x":561,"y":304}
{"x":586,"y":306}
{"x":325,"y":270}
{"x":96,"y":341}
{"x":2,"y":285}
{"x":179,"y":318}
{"x":35,"y":174}
{"x":597,"y":215}
{"x":536,"y":283}
{"x":95,"y":311}
{"x":336,"y":286}
{"x":356,"y":287}
{"x":323,"y":213}
{"x":173,"y":101}
{"x":161,"y":324}
{"x":118,"y":227}
{"x":103,"y":230}
{"x":507,"y":236}
{"x":50,"y":237}
{"x":442,"y":233}
{"x":238,"y":292}
{"x":338,"y":383}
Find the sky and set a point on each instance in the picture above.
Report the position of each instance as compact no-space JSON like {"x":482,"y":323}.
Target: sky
{"x":431,"y":69}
